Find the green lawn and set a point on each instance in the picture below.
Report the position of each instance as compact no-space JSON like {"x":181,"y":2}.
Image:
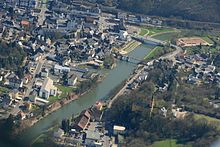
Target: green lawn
{"x":54,"y":98}
{"x":65,"y":91}
{"x":207,"y":39}
{"x":35,"y":107}
{"x":166,"y":36}
{"x":143,"y":31}
{"x":211,"y":120}
{"x":157,"y":52}
{"x":150,"y":31}
{"x":153,"y":53}
{"x":167,"y":143}
{"x":64,"y":88}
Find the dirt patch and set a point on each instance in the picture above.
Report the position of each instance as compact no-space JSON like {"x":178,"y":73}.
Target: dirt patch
{"x":192,"y":41}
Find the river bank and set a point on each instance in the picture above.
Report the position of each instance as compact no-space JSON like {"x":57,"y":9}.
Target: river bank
{"x":129,"y":47}
{"x":27,"y":123}
{"x":115,"y":77}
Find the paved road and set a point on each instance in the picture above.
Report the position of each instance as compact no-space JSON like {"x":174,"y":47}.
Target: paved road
{"x":172,"y":55}
{"x":124,"y":88}
{"x":41,"y":16}
{"x":16,"y":109}
{"x":37,"y":71}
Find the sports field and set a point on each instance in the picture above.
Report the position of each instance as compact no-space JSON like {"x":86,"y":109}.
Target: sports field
{"x":192,"y":41}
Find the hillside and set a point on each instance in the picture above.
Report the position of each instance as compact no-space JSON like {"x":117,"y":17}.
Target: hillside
{"x":200,"y":10}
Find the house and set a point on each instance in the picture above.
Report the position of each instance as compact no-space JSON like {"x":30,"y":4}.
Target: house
{"x":82,"y":121}
{"x":1,"y":28}
{"x":28,"y":105}
{"x":15,"y":82}
{"x":122,"y":15}
{"x":179,"y":113}
{"x":27,"y":78}
{"x":23,"y":3}
{"x":60,"y":69}
{"x":93,"y":139}
{"x":118,"y":129}
{"x":123,"y":35}
{"x":34,"y":3}
{"x":25,"y":23}
{"x":1,"y":78}
{"x":66,"y":62}
{"x":44,"y":72}
{"x":36,"y":57}
{"x":48,"y":89}
{"x":5,"y":100}
{"x":33,"y":95}
{"x":72,"y":80}
{"x":14,"y":94}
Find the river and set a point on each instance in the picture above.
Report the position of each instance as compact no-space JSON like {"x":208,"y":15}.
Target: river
{"x":103,"y":89}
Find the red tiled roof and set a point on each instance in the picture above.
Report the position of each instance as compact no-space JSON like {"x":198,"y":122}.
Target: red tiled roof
{"x":83,"y":122}
{"x":24,"y":22}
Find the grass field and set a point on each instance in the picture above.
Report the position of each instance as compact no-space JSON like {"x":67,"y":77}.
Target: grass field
{"x":165,"y":36}
{"x":207,"y":39}
{"x":151,"y":31}
{"x":65,"y":91}
{"x":168,"y":143}
{"x":144,"y":32}
{"x":54,"y":98}
{"x":65,"y":88}
{"x":153,"y":53}
{"x":210,"y":120}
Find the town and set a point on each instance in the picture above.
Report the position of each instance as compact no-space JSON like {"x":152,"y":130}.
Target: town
{"x":63,"y":48}
{"x":55,"y":52}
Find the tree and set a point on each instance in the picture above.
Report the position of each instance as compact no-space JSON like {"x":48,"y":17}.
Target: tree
{"x":109,"y":61}
{"x":65,"y":125}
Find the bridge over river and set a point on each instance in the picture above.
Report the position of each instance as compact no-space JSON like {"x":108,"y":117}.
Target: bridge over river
{"x":148,"y":40}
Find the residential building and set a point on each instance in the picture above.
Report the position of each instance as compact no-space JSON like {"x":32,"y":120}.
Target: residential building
{"x":60,"y":69}
{"x":5,"y":100}
{"x":82,"y":121}
{"x":48,"y":89}
{"x":93,"y":139}
{"x":44,"y":72}
{"x":118,"y":129}
{"x":72,"y":80}
{"x":15,"y":82}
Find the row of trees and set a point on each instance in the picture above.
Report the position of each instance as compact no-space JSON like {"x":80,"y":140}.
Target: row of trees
{"x":86,"y":85}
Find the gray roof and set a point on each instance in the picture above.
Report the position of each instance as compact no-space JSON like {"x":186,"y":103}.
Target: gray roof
{"x":93,"y":135}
